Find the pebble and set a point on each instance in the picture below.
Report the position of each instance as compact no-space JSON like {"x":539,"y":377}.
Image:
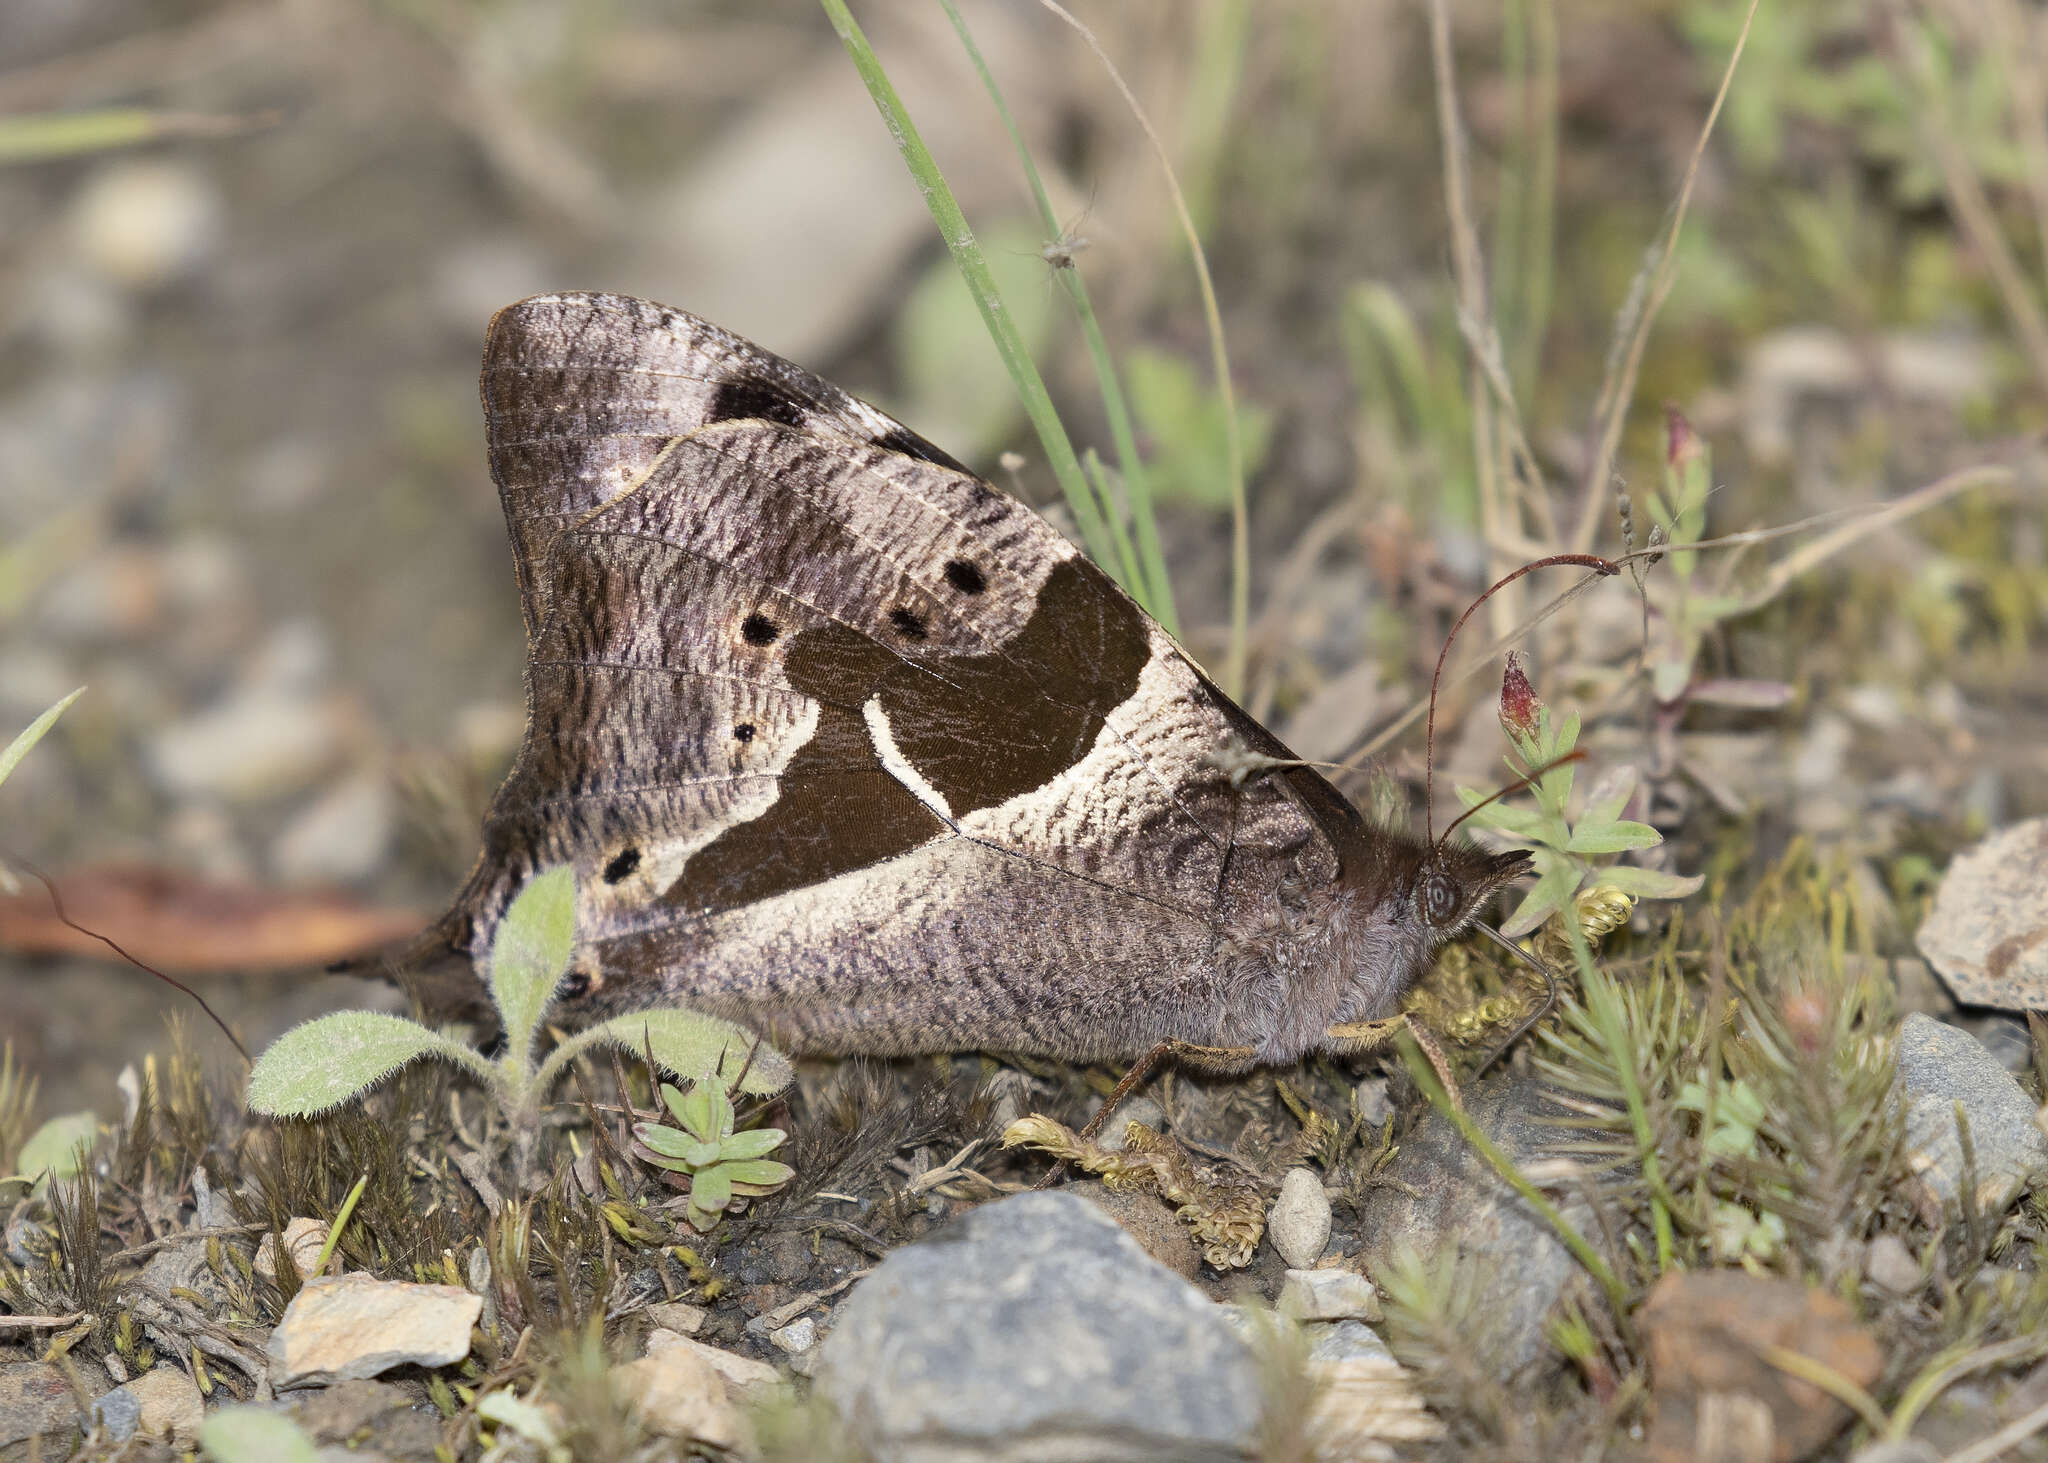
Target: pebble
{"x":1344,"y":1341}
{"x":1705,"y":1332}
{"x":253,"y":744}
{"x":798,"y":1336}
{"x":1987,"y":932}
{"x":1939,"y":1066}
{"x":341,"y":836}
{"x":303,"y":1239}
{"x":743,"y":1375}
{"x":163,"y":1403}
{"x":142,"y":224}
{"x":1299,"y":1222}
{"x":674,"y":1315}
{"x":358,"y":1326}
{"x":1890,"y":1265}
{"x":1442,"y":1198}
{"x":679,"y":1394}
{"x":1328,"y":1295}
{"x":36,"y":1403}
{"x":1036,"y":1323}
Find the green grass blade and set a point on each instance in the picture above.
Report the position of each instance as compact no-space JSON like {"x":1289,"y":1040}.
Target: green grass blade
{"x":1154,"y":590}
{"x":945,"y":211}
{"x":33,"y":733}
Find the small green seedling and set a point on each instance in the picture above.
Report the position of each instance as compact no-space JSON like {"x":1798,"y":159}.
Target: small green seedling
{"x":255,"y":1435}
{"x":721,"y":1164}
{"x":332,"y":1060}
{"x":1565,"y":849}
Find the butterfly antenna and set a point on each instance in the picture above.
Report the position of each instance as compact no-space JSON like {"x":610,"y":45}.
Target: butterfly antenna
{"x":1543,"y":1009}
{"x":1583,"y":561}
{"x":1577,"y":754}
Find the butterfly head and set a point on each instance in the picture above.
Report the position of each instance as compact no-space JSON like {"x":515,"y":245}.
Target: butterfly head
{"x":1452,"y":883}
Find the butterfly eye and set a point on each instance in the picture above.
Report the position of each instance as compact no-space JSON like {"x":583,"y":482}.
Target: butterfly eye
{"x":1440,"y":899}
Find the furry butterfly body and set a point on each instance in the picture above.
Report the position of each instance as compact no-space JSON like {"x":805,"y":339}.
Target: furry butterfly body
{"x":846,"y":744}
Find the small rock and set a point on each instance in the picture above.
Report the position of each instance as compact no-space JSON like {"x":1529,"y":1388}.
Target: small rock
{"x":1939,"y":1066}
{"x":1299,"y":1222}
{"x":1328,"y":1295}
{"x":303,"y":1239}
{"x":143,"y":223}
{"x":1344,"y":1341}
{"x":1907,"y":1450}
{"x":1374,"y":1106}
{"x":1892,"y":1266}
{"x":798,"y":1336}
{"x":359,"y":1326}
{"x":1036,"y":1327}
{"x":1441,"y":1198}
{"x":679,"y":1394}
{"x":342,"y":835}
{"x":36,"y":1404}
{"x":1148,"y":1219}
{"x":672,"y":1315}
{"x":164,"y":1403}
{"x":1988,"y":930}
{"x":743,"y":1375}
{"x":252,"y":745}
{"x":1139,"y":1109}
{"x":372,"y":1420}
{"x":1715,"y":1396}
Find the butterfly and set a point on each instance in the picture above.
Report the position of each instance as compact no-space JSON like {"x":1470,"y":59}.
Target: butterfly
{"x":848,"y":745}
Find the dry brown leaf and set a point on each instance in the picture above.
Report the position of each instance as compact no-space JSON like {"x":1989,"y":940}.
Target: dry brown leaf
{"x":188,"y":925}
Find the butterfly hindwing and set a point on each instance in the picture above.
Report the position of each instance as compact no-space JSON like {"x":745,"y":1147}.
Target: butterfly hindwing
{"x":824,"y":721}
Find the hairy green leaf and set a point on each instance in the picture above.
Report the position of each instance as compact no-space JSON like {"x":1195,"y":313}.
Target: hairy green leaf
{"x":711,"y":1190}
{"x":1552,"y":891}
{"x":763,"y":1171}
{"x":1650,"y":883}
{"x":1618,"y":836}
{"x":52,"y":1150}
{"x":670,"y":1142}
{"x":530,"y":953}
{"x":323,"y":1063}
{"x":753,"y":1143}
{"x":255,"y":1435}
{"x":687,"y":1043}
{"x":33,"y":733}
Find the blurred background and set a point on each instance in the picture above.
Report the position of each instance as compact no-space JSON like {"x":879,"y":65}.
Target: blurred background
{"x":248,"y":252}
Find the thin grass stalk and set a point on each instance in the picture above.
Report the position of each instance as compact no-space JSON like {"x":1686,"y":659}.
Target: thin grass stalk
{"x":1219,"y":355}
{"x":1582,"y":1249}
{"x":2016,"y":47}
{"x":1147,"y":573}
{"x":973,"y":266}
{"x":1469,"y":272}
{"x":1610,"y":412}
{"x":1964,"y":186}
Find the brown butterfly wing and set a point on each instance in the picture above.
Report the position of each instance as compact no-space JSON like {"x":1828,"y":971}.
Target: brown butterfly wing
{"x":839,"y":738}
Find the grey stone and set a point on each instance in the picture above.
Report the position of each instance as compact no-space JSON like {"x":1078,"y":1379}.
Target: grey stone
{"x":1035,"y":1328}
{"x":164,"y":1402}
{"x":1939,"y":1066}
{"x":1345,"y":1341}
{"x":1889,"y":1264}
{"x":1140,"y":1109}
{"x":119,"y":1412}
{"x":1440,"y":1198}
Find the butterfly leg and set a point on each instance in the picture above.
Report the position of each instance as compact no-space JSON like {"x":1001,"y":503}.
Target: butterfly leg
{"x":1214,"y":1058}
{"x":1363,"y":1036}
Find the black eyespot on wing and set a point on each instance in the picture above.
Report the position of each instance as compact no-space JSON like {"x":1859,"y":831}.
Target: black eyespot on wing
{"x":758,"y":629}
{"x":622,"y":865}
{"x":964,"y":577}
{"x":909,"y":623}
{"x":748,"y":398}
{"x":744,"y":732}
{"x":575,"y":985}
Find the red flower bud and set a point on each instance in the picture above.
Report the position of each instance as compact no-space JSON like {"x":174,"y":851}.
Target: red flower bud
{"x":1681,"y":443}
{"x":1519,"y":705}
